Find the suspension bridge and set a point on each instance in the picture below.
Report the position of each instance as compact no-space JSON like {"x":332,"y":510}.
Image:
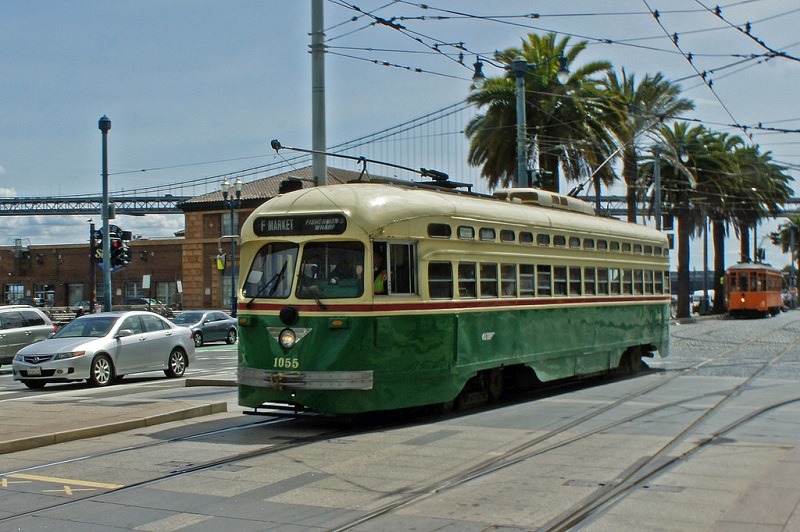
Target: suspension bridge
{"x":435,"y":140}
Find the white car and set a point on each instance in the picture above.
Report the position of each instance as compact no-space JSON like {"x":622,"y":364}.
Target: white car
{"x":105,"y":346}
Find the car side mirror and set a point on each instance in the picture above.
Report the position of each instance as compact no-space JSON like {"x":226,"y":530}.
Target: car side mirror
{"x":124,"y":332}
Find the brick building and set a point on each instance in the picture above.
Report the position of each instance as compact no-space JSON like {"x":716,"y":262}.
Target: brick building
{"x":183,"y":270}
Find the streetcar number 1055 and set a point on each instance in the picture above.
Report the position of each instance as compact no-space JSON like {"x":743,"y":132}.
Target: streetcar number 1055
{"x":286,"y":362}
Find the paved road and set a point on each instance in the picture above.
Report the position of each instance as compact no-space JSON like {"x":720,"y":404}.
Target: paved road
{"x":707,"y":439}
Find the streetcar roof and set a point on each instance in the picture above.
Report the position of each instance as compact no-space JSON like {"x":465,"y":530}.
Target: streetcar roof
{"x":373,"y":206}
{"x":755,"y":266}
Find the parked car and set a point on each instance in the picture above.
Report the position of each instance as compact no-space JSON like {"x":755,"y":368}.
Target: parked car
{"x":21,"y":325}
{"x":208,"y":326}
{"x":105,"y":346}
{"x":145,"y":303}
{"x":32,"y":302}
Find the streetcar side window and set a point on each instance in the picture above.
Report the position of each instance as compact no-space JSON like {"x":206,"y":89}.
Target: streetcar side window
{"x":574,"y":280}
{"x":525,"y":237}
{"x":544,"y":286}
{"x":543,"y":239}
{"x":488,"y":279}
{"x":560,"y":280}
{"x":508,"y":280}
{"x":574,"y":242}
{"x":440,"y":280}
{"x":614,"y":245}
{"x":467,"y":280}
{"x":626,"y":247}
{"x":648,"y":281}
{"x":659,"y":282}
{"x":627,"y":282}
{"x":589,"y":286}
{"x":439,"y":230}
{"x":560,"y":241}
{"x":507,"y":235}
{"x":488,"y":233}
{"x":272,"y":271}
{"x":527,"y":280}
{"x":588,"y":243}
{"x":602,"y":245}
{"x":466,"y":232}
{"x":602,"y":281}
{"x":403,"y":268}
{"x":638,"y":282}
{"x":616,"y":281}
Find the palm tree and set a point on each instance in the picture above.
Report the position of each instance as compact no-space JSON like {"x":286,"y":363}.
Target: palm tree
{"x":787,"y":237}
{"x":560,"y":118}
{"x":638,"y":109}
{"x":765,"y":187}
{"x":679,"y":186}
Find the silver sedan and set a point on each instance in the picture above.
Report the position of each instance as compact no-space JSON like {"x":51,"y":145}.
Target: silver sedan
{"x":105,"y":346}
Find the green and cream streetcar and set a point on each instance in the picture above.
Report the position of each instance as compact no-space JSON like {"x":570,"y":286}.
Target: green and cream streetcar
{"x":380,"y":295}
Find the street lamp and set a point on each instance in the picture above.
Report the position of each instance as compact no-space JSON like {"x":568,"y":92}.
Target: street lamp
{"x":518,"y":68}
{"x":228,"y":193}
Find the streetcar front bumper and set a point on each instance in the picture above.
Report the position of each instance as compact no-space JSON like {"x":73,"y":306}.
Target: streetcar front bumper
{"x":306,"y":380}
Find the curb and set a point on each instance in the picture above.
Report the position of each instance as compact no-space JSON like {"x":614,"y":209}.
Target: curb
{"x":42,"y":440}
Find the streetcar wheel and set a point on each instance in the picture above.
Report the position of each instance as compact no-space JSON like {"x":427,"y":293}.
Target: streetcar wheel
{"x":198,"y":339}
{"x":176,"y":365}
{"x":34,"y":385}
{"x":102,"y":371}
{"x":231,"y":339}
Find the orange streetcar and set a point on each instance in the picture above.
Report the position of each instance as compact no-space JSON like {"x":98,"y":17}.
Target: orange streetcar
{"x":753,"y":289}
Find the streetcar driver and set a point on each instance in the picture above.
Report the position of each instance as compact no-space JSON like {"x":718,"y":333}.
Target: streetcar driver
{"x":379,"y":271}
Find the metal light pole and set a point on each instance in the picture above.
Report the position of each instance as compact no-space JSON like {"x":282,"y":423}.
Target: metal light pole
{"x":105,"y":125}
{"x":232,"y":203}
{"x":518,"y":68}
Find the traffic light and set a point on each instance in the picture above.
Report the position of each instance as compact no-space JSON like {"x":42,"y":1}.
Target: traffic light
{"x":117,"y":251}
{"x":126,"y":254}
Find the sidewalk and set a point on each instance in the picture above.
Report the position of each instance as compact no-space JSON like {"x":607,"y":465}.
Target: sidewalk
{"x":57,"y":421}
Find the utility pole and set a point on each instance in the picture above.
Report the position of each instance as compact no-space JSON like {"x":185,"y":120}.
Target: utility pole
{"x":318,"y":162}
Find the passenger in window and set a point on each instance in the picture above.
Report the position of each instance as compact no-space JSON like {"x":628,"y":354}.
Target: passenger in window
{"x":379,"y":270}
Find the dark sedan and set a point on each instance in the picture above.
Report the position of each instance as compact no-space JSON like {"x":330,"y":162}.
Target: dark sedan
{"x":208,"y":326}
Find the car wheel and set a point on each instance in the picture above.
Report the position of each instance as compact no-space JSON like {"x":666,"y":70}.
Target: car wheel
{"x":198,"y":339}
{"x":34,"y":385}
{"x":231,"y":339}
{"x":102,"y":371}
{"x":176,"y":365}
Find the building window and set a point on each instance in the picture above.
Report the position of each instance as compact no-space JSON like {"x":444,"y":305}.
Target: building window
{"x":14,"y":292}
{"x":227,"y":229}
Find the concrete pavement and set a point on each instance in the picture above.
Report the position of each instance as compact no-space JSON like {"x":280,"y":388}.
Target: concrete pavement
{"x":56,"y":420}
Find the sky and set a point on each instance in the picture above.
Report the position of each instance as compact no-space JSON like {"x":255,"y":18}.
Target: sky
{"x":197,"y":89}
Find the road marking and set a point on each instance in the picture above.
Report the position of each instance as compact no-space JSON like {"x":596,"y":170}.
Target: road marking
{"x":4,"y":482}
{"x":65,"y":481}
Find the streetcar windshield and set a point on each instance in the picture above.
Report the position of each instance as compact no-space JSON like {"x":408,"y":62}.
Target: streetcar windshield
{"x":331,"y":270}
{"x":270,"y":275}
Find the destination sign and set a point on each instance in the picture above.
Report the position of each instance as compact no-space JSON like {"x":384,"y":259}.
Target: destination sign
{"x":316,"y":224}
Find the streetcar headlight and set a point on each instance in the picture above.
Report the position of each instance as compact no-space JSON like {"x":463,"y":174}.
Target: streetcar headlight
{"x":287,"y":338}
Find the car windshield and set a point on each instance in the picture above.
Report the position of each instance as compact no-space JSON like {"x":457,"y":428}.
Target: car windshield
{"x":89,"y":327}
{"x":188,"y":317}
